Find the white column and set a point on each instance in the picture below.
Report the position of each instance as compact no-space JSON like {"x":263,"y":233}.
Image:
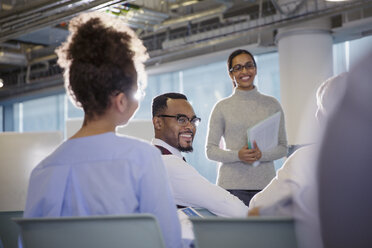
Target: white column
{"x":305,"y":60}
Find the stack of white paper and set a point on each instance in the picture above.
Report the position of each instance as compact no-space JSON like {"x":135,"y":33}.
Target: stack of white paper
{"x":265,"y":133}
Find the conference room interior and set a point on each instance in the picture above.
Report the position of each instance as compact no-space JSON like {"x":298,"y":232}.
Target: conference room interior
{"x":297,"y":45}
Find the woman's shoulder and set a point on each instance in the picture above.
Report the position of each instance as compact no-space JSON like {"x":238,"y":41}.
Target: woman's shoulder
{"x":135,"y":143}
{"x":224,"y":101}
{"x":268,"y":101}
{"x":108,"y":144}
{"x":269,"y":98}
{"x":221,"y":106}
{"x":100,"y":148}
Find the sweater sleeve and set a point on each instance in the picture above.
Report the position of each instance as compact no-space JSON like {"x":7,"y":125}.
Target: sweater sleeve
{"x":215,"y":132}
{"x":281,"y":149}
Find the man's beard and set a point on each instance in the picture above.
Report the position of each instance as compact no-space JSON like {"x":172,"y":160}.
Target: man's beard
{"x":185,"y":149}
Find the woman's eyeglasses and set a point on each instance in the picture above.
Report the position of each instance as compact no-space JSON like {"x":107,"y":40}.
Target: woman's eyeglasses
{"x":239,"y":67}
{"x":183,"y":120}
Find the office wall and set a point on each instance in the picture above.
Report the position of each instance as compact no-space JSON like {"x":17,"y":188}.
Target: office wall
{"x":20,"y":153}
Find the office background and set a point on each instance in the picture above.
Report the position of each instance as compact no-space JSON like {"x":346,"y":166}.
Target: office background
{"x":202,"y":77}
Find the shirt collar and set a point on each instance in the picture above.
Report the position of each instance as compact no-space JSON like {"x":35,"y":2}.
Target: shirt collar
{"x":173,"y":150}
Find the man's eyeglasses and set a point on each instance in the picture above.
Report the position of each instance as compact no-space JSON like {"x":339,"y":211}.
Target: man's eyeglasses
{"x":239,"y":67}
{"x":182,"y":120}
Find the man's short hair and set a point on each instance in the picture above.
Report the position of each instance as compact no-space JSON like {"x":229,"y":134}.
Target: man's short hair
{"x":159,"y":103}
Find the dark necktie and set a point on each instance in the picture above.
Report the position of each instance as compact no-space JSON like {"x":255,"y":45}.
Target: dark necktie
{"x":163,"y":150}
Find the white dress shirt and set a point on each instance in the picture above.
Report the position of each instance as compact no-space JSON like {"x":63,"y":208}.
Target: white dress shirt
{"x":293,"y":192}
{"x":192,"y":189}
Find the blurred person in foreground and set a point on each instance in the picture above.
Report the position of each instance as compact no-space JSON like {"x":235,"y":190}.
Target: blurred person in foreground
{"x":293,"y":192}
{"x":345,"y":165}
{"x":96,"y":172}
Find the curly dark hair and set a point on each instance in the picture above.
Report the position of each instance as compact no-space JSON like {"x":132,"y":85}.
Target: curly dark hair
{"x":159,"y":103}
{"x":101,"y":57}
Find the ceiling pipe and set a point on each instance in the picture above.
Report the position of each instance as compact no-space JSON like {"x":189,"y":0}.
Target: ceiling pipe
{"x":180,"y":22}
{"x":9,"y":58}
{"x":16,"y":46}
{"x":43,"y":16}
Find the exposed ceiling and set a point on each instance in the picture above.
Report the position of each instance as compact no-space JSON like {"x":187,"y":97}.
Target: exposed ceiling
{"x":171,"y":30}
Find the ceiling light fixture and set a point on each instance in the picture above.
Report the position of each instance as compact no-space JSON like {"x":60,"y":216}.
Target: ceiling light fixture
{"x":338,"y":1}
{"x":184,"y":4}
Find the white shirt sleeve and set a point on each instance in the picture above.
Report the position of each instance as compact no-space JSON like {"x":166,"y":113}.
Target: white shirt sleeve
{"x":288,"y":181}
{"x":191,"y":189}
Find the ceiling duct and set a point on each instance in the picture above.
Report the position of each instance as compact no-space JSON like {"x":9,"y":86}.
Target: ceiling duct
{"x":28,"y":18}
{"x":288,"y":7}
{"x":183,"y":4}
{"x":138,"y":17}
{"x":197,"y":17}
{"x":9,"y":58}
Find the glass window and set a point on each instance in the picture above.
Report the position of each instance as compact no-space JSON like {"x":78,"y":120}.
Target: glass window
{"x":17,"y":117}
{"x":1,"y":119}
{"x":268,"y":79}
{"x":157,"y":84}
{"x":42,"y":114}
{"x":204,"y":86}
{"x":340,"y":61}
{"x":72,"y":111}
{"x":358,"y":49}
{"x":346,"y":54}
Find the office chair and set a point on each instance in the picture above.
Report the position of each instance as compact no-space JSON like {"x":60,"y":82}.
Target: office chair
{"x":255,"y":232}
{"x":137,"y":230}
{"x":9,"y":230}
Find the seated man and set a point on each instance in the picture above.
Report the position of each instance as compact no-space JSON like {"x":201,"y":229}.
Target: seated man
{"x":175,"y":124}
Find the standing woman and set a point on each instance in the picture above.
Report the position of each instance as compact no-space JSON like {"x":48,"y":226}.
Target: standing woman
{"x":230,"y":119}
{"x":97,"y":172}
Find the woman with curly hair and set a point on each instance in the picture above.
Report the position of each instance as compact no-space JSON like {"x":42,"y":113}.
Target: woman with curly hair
{"x":97,"y":172}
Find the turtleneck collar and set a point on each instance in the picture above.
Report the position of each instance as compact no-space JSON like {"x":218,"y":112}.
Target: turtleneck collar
{"x":243,"y":94}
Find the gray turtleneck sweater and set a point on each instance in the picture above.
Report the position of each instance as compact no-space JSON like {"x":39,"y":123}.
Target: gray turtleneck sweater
{"x":230,"y":119}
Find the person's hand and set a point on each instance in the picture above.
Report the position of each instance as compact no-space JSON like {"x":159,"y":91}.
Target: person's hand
{"x":254,"y":211}
{"x":257,"y":150}
{"x":250,"y":155}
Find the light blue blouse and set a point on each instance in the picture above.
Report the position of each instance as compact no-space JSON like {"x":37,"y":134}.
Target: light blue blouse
{"x":104,"y":175}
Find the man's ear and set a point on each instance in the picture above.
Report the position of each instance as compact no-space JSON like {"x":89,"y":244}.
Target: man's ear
{"x":157,"y":122}
{"x":121,"y":102}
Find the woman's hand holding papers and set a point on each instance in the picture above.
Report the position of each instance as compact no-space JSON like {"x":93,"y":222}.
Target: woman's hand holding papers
{"x":250,"y":155}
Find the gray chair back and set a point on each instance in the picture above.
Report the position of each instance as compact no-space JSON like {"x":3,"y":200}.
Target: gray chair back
{"x":137,"y":230}
{"x":9,"y":230}
{"x":255,"y":232}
